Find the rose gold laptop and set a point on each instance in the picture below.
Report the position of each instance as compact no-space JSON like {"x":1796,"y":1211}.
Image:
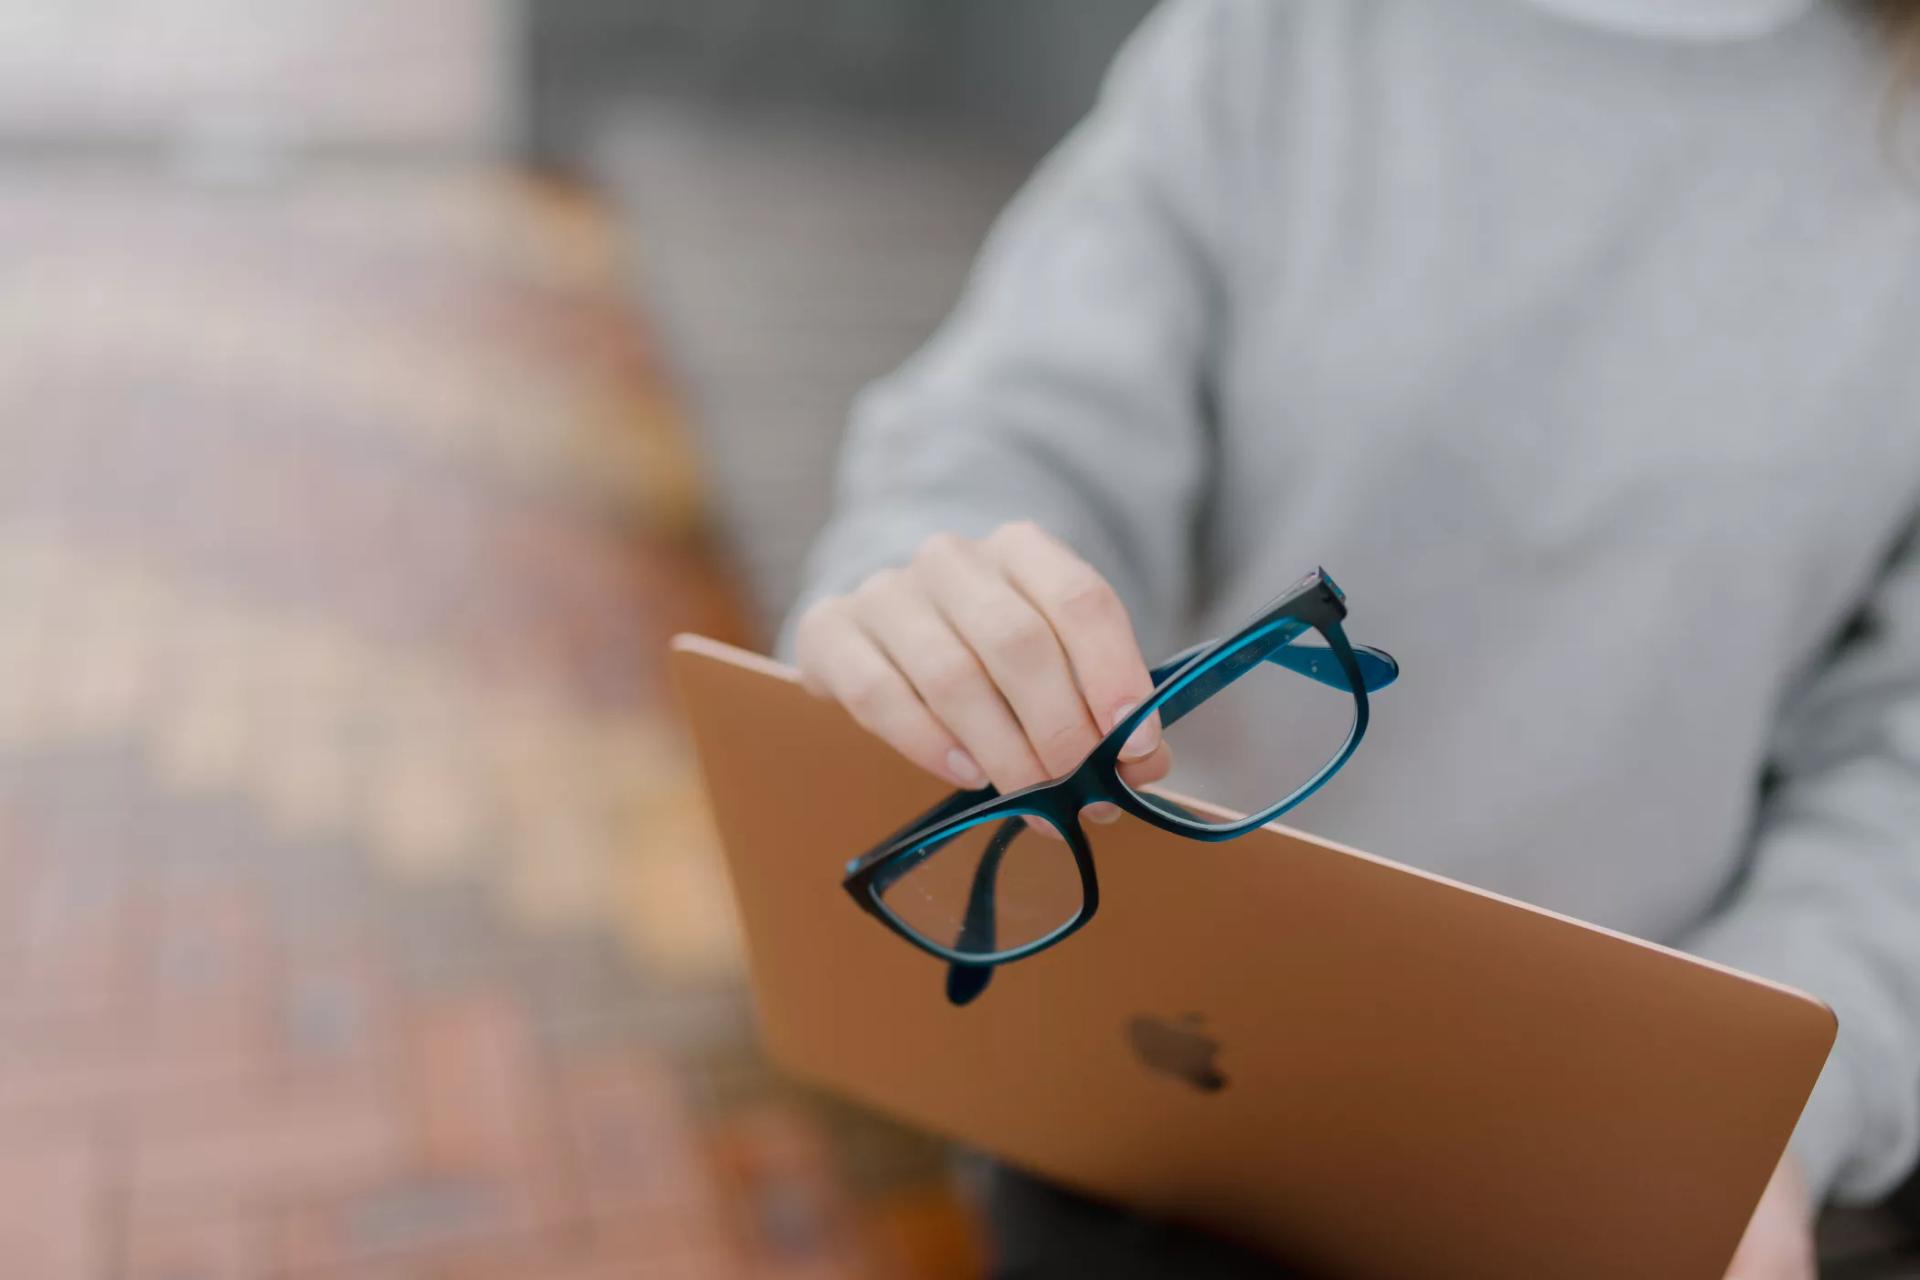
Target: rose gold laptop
{"x":1369,"y":1070}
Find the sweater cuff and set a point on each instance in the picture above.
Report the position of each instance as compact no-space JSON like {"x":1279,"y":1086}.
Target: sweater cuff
{"x":1835,"y":1130}
{"x":1825,"y":1138}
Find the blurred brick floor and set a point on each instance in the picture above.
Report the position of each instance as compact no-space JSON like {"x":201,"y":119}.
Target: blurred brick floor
{"x":360,"y":916}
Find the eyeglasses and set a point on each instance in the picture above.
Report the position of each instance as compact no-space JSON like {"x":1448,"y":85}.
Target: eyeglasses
{"x":982,"y":879}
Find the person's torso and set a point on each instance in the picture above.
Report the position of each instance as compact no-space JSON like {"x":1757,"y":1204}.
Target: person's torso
{"x":1588,"y":366}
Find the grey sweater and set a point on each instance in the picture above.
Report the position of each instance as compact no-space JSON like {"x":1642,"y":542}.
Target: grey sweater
{"x":1589,"y":364}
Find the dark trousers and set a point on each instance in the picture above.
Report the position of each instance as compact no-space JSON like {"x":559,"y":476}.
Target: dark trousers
{"x":1043,"y":1233}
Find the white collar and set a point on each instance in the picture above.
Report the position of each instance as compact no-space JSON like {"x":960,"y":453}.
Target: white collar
{"x":1702,"y":21}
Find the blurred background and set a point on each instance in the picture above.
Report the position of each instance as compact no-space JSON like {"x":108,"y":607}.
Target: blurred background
{"x":380,"y":385}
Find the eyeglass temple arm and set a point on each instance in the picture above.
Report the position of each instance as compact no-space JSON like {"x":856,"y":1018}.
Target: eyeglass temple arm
{"x":965,"y":982}
{"x":1315,"y":661}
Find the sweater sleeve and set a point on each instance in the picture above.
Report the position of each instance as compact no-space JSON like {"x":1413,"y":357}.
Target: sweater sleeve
{"x":1831,"y":901}
{"x":1068,"y":386}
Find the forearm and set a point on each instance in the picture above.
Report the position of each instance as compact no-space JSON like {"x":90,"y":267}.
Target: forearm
{"x":1831,"y":903}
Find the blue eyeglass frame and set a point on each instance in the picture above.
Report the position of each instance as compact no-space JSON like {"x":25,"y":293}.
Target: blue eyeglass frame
{"x":1181,"y":683}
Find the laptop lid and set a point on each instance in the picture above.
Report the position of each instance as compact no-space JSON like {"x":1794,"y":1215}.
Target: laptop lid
{"x":1370,"y":1070}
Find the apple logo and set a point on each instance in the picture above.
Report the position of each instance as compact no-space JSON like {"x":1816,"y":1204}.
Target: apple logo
{"x":1177,"y":1048}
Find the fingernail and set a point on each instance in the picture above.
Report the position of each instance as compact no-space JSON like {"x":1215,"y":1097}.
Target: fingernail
{"x":1144,"y":739}
{"x":964,"y":770}
{"x":1102,"y":813}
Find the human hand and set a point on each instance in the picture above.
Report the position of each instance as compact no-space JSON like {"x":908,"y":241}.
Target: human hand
{"x":1002,"y":659}
{"x":1778,"y":1244}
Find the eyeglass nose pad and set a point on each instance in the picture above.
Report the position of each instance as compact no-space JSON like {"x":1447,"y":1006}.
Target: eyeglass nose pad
{"x":965,"y":982}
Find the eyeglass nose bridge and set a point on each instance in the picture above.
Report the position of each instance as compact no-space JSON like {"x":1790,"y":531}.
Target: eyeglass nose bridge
{"x":1081,"y":788}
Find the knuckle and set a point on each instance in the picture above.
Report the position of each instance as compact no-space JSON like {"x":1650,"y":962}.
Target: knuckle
{"x":807,"y":631}
{"x":1014,"y":533}
{"x":1019,"y":635}
{"x":949,"y":680}
{"x":1023,"y":539}
{"x":878,"y":586}
{"x":866,"y":696}
{"x":1064,"y":744}
{"x":939,"y":548}
{"x":1086,"y":597}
